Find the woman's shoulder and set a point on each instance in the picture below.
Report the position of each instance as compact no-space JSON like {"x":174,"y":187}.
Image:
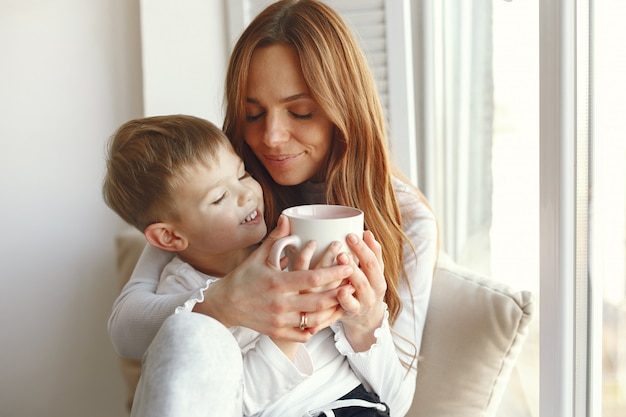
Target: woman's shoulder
{"x":417,"y":215}
{"x":411,"y":201}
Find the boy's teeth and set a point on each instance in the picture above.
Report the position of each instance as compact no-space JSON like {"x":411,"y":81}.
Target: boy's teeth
{"x":251,"y":216}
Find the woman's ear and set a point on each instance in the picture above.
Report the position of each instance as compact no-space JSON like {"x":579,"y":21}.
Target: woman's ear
{"x":164,"y":236}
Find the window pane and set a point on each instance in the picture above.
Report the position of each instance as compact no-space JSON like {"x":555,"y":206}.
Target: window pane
{"x":515,"y":226}
{"x":485,"y":94}
{"x":514,"y":232}
{"x":608,"y":196}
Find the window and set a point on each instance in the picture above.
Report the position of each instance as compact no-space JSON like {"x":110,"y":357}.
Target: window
{"x":552,"y":204}
{"x":607,"y":223}
{"x":478,"y":93}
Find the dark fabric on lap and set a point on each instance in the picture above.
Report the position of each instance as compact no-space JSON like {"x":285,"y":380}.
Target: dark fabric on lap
{"x":361,"y":393}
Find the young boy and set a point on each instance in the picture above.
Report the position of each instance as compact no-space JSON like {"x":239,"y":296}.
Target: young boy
{"x":179,"y":181}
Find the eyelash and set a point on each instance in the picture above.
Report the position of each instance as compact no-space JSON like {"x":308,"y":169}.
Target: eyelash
{"x":256,"y":117}
{"x":302,"y":116}
{"x":223,"y":196}
{"x":219,"y":200}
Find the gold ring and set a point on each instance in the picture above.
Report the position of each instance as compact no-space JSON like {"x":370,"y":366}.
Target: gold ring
{"x":303,"y":324}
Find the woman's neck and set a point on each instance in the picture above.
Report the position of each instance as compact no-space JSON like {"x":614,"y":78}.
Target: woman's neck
{"x":312,"y":193}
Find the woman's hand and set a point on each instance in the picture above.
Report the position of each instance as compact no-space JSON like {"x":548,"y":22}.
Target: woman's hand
{"x":259,"y":296}
{"x":327,"y":259}
{"x":363,"y":303}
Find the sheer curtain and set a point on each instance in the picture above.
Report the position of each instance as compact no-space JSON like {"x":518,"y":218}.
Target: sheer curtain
{"x":455,"y":100}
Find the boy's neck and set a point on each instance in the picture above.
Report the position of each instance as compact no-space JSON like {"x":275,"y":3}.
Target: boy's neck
{"x":218,"y":265}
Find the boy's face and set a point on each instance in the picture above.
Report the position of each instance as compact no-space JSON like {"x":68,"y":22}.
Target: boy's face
{"x":220,"y":206}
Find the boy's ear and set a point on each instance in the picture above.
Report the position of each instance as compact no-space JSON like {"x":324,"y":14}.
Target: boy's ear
{"x":164,"y":236}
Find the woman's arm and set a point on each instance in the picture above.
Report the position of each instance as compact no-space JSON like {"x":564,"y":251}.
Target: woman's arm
{"x":258,"y":296}
{"x":380,"y":366}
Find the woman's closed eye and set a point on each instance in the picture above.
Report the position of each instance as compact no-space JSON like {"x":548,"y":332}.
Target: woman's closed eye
{"x":299,"y":116}
{"x":253,"y":117}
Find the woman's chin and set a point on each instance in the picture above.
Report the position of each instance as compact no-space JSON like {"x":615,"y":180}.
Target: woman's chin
{"x":289,"y":179}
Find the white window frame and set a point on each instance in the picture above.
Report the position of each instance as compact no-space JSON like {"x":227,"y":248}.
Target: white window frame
{"x":564,"y":334}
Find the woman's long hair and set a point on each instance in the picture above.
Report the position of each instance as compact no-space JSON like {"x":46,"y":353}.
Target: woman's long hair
{"x":339,"y":79}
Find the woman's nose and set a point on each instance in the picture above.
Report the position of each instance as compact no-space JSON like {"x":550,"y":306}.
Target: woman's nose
{"x":275,"y":129}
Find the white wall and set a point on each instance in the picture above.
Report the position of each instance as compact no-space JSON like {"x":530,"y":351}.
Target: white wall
{"x":185,"y":52}
{"x":70,"y":73}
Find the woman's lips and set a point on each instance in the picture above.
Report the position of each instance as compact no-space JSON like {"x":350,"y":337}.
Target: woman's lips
{"x":280,"y":161}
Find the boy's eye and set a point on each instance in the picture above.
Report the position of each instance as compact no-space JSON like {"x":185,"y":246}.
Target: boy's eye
{"x":220,"y":199}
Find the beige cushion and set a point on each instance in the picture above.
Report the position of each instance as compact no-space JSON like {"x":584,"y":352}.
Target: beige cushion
{"x":129,"y":244}
{"x":474,"y":333}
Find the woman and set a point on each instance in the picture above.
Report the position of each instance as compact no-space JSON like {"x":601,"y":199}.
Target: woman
{"x":303,"y":112}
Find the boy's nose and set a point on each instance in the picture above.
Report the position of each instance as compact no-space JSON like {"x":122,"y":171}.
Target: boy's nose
{"x":245,"y":195}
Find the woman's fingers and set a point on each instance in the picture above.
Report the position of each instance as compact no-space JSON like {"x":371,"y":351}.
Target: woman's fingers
{"x":363,"y":292}
{"x":326,"y":259}
{"x":314,"y":322}
{"x":329,"y":255}
{"x":368,"y":280}
{"x":303,"y":258}
{"x":307,"y":280}
{"x":369,"y":253}
{"x":372,"y":243}
{"x":282,"y":229}
{"x":300,"y":325}
{"x":322,"y":319}
{"x":348,"y":302}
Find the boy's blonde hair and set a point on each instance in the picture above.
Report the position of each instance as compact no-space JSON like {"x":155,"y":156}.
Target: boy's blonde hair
{"x":147,"y":158}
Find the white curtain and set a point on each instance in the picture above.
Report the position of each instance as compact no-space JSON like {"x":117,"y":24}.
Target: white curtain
{"x":455,"y":100}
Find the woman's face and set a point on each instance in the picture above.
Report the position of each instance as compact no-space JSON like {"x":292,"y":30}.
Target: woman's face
{"x":285,"y":128}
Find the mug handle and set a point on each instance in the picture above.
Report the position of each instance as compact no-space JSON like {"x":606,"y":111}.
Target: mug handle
{"x":280,"y":245}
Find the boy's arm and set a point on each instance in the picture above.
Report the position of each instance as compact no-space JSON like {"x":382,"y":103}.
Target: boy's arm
{"x":138,"y":312}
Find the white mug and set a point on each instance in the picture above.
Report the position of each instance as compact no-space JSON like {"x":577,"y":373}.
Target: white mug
{"x":320,"y":222}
